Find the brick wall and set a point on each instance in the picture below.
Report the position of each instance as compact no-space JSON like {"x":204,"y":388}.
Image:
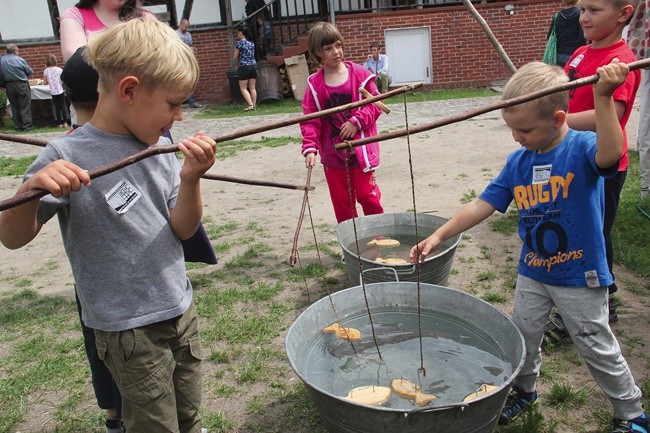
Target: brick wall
{"x":462,"y":55}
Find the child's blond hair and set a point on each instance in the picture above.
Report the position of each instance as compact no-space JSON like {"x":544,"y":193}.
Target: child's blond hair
{"x":535,"y":76}
{"x":322,"y":34}
{"x":145,"y":48}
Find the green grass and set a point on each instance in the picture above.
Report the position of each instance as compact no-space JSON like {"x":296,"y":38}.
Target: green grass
{"x":564,"y":396}
{"x":632,"y":229}
{"x":217,"y":111}
{"x":15,"y":167}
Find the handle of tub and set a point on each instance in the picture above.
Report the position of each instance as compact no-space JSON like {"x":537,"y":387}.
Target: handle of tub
{"x":428,"y":409}
{"x":382,"y":268}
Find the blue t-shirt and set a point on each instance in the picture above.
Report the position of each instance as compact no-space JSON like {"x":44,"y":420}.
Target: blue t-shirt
{"x":560,"y":199}
{"x":246,"y":52}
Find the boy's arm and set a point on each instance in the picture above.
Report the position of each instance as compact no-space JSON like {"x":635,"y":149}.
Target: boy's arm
{"x":609,"y":136}
{"x":199,"y":157}
{"x":18,"y":225}
{"x":586,"y":120}
{"x":467,"y":217}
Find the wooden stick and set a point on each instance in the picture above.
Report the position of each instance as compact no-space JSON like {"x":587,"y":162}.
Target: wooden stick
{"x":155,"y":150}
{"x":379,"y":104}
{"x":317,"y":114}
{"x":493,"y":39}
{"x":485,"y":109}
{"x":19,"y":199}
{"x":23,"y":139}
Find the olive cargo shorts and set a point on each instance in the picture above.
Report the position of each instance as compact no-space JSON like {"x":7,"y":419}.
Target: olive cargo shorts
{"x":157,"y":369}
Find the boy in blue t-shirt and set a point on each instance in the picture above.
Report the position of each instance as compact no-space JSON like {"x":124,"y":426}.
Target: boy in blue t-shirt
{"x":556,"y":182}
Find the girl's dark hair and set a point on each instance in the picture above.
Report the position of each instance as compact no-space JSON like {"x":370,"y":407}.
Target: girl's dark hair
{"x":245,"y":31}
{"x":321,"y":34}
{"x":130,"y":9}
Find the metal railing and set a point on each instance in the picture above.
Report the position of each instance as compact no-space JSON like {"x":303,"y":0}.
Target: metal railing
{"x":290,"y":19}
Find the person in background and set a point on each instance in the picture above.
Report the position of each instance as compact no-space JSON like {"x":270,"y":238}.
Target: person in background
{"x":558,"y":174}
{"x":266,"y":35}
{"x":88,"y":17}
{"x":603,"y":22}
{"x":337,"y":83}
{"x":52,"y":77}
{"x":638,"y":39}
{"x":140,"y":94}
{"x":15,"y":74}
{"x":186,"y":37}
{"x":244,"y":55}
{"x":80,"y":82}
{"x":568,"y":30}
{"x":252,"y":24}
{"x":378,"y":65}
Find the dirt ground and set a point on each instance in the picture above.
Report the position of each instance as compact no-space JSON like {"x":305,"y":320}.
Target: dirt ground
{"x":447,"y":164}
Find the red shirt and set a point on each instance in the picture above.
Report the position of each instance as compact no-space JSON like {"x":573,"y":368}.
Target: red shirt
{"x":583,"y":63}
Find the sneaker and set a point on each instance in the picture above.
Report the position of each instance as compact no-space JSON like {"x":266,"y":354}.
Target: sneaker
{"x":114,"y":425}
{"x":516,"y":402}
{"x":639,"y":424}
{"x":613,"y":304}
{"x":251,"y":108}
{"x":554,"y":332}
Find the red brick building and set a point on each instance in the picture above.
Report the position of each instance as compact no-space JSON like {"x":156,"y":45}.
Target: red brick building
{"x":461,"y":53}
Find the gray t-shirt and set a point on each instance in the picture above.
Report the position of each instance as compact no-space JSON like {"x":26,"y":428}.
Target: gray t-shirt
{"x":126,"y":260}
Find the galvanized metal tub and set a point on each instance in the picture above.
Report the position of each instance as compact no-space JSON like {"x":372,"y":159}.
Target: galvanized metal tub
{"x":343,"y":416}
{"x":434,"y":270}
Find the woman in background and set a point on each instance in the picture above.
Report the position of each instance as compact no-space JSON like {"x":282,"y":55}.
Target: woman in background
{"x":244,"y":54}
{"x":568,"y":31}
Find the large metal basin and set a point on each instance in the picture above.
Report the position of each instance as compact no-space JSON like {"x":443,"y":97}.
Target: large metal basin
{"x":343,"y":416}
{"x":434,"y":270}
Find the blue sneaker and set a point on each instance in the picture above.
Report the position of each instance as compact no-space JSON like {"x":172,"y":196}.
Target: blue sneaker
{"x":639,"y":424}
{"x":516,"y":402}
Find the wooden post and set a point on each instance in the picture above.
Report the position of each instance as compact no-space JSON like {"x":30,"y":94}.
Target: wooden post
{"x":490,"y":35}
{"x":231,"y":39}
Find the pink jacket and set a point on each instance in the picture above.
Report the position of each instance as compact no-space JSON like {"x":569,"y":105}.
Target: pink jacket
{"x":365,"y":118}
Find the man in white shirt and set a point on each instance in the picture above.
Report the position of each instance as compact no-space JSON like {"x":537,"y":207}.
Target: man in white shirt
{"x":378,"y":65}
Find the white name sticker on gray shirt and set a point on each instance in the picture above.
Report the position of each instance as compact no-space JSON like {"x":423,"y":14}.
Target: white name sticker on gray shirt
{"x":123,"y":196}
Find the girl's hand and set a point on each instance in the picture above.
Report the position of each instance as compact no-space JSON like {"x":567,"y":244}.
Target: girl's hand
{"x":199,"y":154}
{"x":348,"y":131}
{"x":310,"y":159}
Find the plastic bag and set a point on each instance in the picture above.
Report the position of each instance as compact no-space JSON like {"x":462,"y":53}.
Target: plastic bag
{"x":550,"y":53}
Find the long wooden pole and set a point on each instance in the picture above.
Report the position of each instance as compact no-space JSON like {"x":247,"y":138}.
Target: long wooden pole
{"x":493,"y":39}
{"x":482,"y":110}
{"x":156,"y":150}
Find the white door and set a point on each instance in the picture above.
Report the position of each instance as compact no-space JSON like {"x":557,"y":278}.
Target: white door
{"x":409,"y":55}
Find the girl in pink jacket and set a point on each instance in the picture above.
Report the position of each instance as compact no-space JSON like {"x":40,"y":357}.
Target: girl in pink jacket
{"x":337,"y":83}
